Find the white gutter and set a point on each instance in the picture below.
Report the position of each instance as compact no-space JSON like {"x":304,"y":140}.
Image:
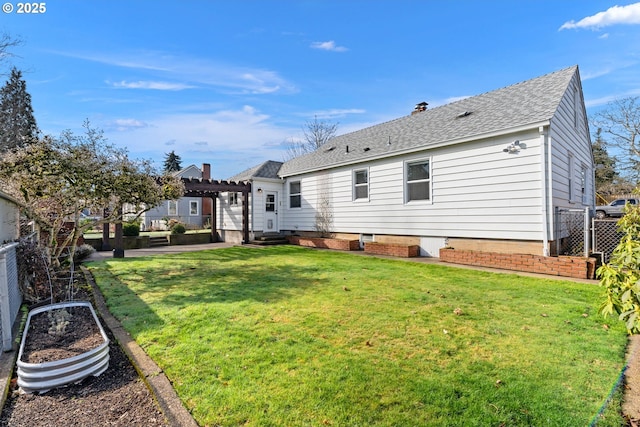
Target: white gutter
{"x":545,"y":162}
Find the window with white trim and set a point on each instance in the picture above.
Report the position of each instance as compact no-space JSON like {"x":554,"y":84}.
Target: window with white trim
{"x":234,"y":200}
{"x":194,"y":208}
{"x":361,"y":184}
{"x":172,"y":208}
{"x":295,"y":194}
{"x":418,"y":180}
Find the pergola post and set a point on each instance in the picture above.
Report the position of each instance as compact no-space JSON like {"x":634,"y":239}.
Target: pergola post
{"x":214,"y":219}
{"x":245,"y":216}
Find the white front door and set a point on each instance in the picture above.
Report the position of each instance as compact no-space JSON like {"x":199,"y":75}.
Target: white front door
{"x":271,"y":213}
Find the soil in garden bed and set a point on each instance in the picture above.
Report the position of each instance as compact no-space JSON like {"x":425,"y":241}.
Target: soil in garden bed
{"x":61,"y":333}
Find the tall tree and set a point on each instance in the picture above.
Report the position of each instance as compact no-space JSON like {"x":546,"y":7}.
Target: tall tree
{"x":172,"y":162}
{"x":605,"y":173}
{"x":17,"y":123}
{"x":316,"y":134}
{"x":620,"y":121}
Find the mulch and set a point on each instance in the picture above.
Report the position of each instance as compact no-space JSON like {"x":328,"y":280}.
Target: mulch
{"x":117,"y":397}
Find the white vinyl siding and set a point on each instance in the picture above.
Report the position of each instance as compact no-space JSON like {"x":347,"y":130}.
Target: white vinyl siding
{"x":568,"y":141}
{"x":477,"y":192}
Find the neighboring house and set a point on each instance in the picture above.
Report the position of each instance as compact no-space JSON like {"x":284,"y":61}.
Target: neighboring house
{"x":194,"y":212}
{"x":484,"y":173}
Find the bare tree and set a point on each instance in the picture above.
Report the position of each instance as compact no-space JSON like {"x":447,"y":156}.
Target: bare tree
{"x":621,"y":122}
{"x":7,"y":42}
{"x":316,"y":134}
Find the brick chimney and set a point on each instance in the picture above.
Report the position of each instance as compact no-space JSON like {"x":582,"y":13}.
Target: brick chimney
{"x":206,"y":202}
{"x":206,"y":171}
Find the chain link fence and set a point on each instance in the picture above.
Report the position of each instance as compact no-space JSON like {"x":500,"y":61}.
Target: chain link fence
{"x":572,"y":232}
{"x":605,"y":237}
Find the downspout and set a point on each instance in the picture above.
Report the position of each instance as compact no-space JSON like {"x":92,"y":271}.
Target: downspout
{"x":545,"y":162}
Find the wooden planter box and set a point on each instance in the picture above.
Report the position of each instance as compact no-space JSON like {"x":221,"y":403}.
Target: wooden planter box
{"x":325,"y":243}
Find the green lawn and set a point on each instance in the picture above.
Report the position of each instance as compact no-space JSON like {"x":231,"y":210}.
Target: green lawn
{"x":288,"y":336}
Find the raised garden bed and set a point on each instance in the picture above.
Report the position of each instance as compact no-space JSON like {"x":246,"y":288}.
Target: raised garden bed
{"x":325,"y":243}
{"x":62,"y":344}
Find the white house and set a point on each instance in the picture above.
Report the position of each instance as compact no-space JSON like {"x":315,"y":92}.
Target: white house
{"x":194,"y":212}
{"x":484,"y":173}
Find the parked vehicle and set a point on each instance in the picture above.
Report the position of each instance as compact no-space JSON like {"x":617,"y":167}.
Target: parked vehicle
{"x":615,"y":208}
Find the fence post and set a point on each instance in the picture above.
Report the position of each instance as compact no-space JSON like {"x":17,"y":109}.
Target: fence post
{"x":587,"y":247}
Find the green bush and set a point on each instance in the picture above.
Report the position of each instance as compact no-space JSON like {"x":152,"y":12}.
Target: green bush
{"x":131,"y":229}
{"x":178,"y":229}
{"x":621,"y":276}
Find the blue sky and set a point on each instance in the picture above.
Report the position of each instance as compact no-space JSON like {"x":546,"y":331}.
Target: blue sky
{"x":230,"y":83}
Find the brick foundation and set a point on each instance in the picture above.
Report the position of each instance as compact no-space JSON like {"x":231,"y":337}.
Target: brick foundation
{"x":325,"y":243}
{"x":392,"y":249}
{"x":566,"y":266}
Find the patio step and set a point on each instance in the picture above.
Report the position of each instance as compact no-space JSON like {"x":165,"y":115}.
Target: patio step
{"x":158,"y":241}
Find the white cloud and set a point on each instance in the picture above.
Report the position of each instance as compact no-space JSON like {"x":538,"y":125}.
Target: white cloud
{"x":197,"y":71}
{"x":336,"y":112}
{"x":244,"y":137}
{"x":330,"y":45}
{"x":123,"y":125}
{"x":141,"y":84}
{"x":629,"y":14}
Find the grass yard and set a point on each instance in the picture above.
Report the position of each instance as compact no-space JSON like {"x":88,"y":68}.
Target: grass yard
{"x":289,"y":336}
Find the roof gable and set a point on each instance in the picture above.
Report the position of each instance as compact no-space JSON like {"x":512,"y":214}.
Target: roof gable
{"x":268,"y":169}
{"x":526,"y":104}
{"x":191,"y":171}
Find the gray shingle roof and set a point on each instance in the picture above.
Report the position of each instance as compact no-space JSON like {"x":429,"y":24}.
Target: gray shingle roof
{"x":523,"y":104}
{"x":268,"y":169}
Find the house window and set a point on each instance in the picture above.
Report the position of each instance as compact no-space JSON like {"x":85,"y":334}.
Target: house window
{"x":570,"y":175}
{"x":173,"y":208}
{"x":418,"y":179}
{"x":270,"y":203}
{"x":583,"y":184}
{"x":361,"y":184}
{"x":295,"y":196}
{"x":234,"y":200}
{"x":194,"y":208}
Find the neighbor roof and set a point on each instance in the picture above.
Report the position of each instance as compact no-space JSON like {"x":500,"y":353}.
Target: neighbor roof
{"x":268,"y":169}
{"x":524,"y":104}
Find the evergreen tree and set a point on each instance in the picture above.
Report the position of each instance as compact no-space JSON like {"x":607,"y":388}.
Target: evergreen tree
{"x":172,"y":162}
{"x":605,"y":165}
{"x":17,"y":124}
